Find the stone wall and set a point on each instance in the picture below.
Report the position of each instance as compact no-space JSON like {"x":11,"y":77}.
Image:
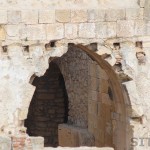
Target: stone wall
{"x":25,"y":28}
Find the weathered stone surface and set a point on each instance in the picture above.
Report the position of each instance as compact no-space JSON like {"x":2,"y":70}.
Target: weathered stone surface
{"x":55,"y":31}
{"x":33,"y":32}
{"x":14,"y":17}
{"x":29,"y":17}
{"x":2,"y":33}
{"x":132,"y":14}
{"x":3,"y":16}
{"x":63,"y":15}
{"x":96,"y":15}
{"x":114,"y":15}
{"x":87,"y":30}
{"x":47,"y":16}
{"x":106,"y":29}
{"x":71,"y":31}
{"x":125,"y":28}
{"x":5,"y":143}
{"x":79,"y":16}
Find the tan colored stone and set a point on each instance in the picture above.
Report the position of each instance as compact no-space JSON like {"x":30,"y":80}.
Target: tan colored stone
{"x":47,"y":16}
{"x":30,"y":17}
{"x":134,"y":13}
{"x":55,"y":31}
{"x":79,"y":16}
{"x":115,"y":14}
{"x":71,"y":31}
{"x":2,"y":33}
{"x":23,"y":114}
{"x":63,"y":15}
{"x":125,"y":28}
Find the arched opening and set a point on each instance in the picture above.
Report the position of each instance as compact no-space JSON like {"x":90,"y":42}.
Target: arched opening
{"x":49,"y":106}
{"x":93,"y":103}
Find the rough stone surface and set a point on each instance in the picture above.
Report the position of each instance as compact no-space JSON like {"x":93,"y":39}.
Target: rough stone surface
{"x":111,"y":113}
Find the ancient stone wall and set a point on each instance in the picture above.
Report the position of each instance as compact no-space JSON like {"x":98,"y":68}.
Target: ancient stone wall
{"x":26,"y":29}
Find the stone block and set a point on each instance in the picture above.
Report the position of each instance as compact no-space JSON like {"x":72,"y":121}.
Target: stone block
{"x":2,"y":33}
{"x":47,"y":16}
{"x":3,"y":16}
{"x":111,"y":29}
{"x":63,"y":15}
{"x":5,"y":143}
{"x":13,"y":31}
{"x":115,"y":14}
{"x":106,"y":29}
{"x":30,"y":17}
{"x":33,"y":32}
{"x":125,"y":28}
{"x":79,"y":16}
{"x":55,"y":31}
{"x":140,"y":28}
{"x":70,"y":136}
{"x":96,"y":15}
{"x":87,"y":30}
{"x":23,"y":114}
{"x":36,"y":143}
{"x":71,"y":31}
{"x":67,"y":136}
{"x":134,"y":13}
{"x":14,"y":17}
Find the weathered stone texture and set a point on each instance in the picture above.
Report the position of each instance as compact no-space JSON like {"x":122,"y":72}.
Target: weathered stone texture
{"x":47,"y":16}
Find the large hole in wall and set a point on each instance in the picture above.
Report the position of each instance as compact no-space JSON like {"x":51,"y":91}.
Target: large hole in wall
{"x":80,"y":96}
{"x":49,"y":106}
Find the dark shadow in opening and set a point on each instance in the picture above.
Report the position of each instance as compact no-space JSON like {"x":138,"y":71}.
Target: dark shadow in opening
{"x":49,"y":106}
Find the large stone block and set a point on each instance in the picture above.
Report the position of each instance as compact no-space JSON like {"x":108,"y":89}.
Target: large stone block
{"x":14,"y":17}
{"x":70,"y":136}
{"x":47,"y":16}
{"x":125,"y":28}
{"x":71,"y":31}
{"x":63,"y":15}
{"x":106,"y":29}
{"x":134,"y":13}
{"x":79,"y":16}
{"x":55,"y":31}
{"x":87,"y":30}
{"x":30,"y":17}
{"x":115,"y":14}
{"x":5,"y":143}
{"x":96,"y":15}
{"x":3,"y":16}
{"x":140,"y":28}
{"x":33,"y":32}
